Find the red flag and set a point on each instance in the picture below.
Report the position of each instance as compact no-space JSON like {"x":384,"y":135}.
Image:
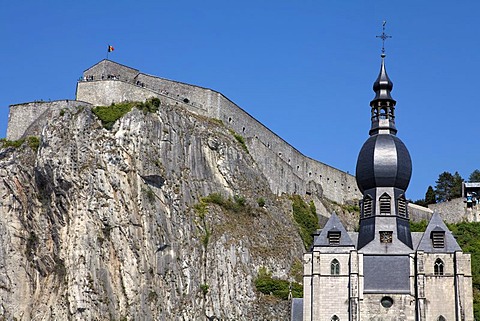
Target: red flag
{"x":110,"y":48}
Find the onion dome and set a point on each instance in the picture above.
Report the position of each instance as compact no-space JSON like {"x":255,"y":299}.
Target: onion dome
{"x":383,"y":161}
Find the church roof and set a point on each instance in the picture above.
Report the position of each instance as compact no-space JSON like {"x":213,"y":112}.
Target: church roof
{"x":333,"y":225}
{"x":297,"y":309}
{"x":436,"y":224}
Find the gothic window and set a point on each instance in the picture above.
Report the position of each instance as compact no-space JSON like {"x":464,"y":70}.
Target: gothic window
{"x":335,"y":267}
{"x":402,"y":206}
{"x":385,"y":204}
{"x":367,"y":206}
{"x":441,"y":318}
{"x":438,"y":267}
{"x":335,"y":318}
{"x":334,"y":237}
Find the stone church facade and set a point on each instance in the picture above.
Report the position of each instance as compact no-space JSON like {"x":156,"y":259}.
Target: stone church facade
{"x":384,"y":272}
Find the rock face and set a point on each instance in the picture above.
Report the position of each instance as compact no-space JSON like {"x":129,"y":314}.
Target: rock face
{"x":109,"y":225}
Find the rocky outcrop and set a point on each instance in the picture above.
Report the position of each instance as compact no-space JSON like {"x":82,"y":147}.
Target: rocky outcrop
{"x":109,"y":225}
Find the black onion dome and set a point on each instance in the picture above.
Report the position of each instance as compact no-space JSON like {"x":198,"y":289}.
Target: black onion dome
{"x":383,"y":85}
{"x":384,"y":161}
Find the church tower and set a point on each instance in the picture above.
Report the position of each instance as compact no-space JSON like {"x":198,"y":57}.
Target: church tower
{"x":384,"y":271}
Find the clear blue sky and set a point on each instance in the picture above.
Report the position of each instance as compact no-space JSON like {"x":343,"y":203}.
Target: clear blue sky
{"x":303,"y":68}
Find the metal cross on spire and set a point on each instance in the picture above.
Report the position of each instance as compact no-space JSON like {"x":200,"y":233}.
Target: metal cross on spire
{"x":384,"y":37}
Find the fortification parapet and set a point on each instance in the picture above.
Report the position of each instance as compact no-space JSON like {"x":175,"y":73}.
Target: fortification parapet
{"x":28,"y":119}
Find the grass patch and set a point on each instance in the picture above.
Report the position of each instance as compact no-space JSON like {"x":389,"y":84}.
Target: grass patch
{"x":204,"y":288}
{"x":305,"y":215}
{"x":265,"y":284}
{"x":33,"y":142}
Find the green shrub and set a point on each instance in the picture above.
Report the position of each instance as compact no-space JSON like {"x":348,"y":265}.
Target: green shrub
{"x":33,"y":142}
{"x":11,"y":143}
{"x":204,"y":288}
{"x":276,"y":287}
{"x":261,"y":202}
{"x":306,"y":218}
{"x":110,"y":114}
{"x":239,"y":139}
{"x":419,"y":226}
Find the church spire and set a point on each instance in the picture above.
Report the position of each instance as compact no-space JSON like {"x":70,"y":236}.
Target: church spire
{"x":383,"y":173}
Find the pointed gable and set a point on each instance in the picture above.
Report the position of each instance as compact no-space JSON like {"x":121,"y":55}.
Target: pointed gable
{"x":432,"y":241}
{"x":333,"y":234}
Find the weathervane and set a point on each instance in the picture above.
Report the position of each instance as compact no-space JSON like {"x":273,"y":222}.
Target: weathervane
{"x":384,"y":37}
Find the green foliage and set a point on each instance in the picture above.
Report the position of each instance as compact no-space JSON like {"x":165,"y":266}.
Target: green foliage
{"x":239,"y":139}
{"x":204,"y":288}
{"x":430,"y":196}
{"x":276,"y":287}
{"x":419,"y":226}
{"x":306,"y":218}
{"x":110,"y":114}
{"x":236,"y":204}
{"x":448,"y":186}
{"x":261,"y":202}
{"x":33,"y":142}
{"x":474,"y":176}
{"x":467,"y":237}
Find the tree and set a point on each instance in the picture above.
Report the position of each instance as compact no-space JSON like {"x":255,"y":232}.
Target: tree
{"x":448,"y":186}
{"x":430,"y":196}
{"x":474,"y":176}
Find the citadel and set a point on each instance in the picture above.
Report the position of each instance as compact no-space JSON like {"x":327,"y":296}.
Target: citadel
{"x":383,"y":271}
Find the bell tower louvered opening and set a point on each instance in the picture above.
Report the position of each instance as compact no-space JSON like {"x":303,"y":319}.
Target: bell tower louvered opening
{"x":385,"y":204}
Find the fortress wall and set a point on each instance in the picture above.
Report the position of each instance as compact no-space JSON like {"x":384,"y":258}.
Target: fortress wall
{"x":287,"y":169}
{"x":29,"y":118}
{"x":337,"y":185}
{"x":453,"y":211}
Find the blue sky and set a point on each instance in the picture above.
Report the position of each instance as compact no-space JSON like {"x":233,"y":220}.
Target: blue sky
{"x":303,"y":68}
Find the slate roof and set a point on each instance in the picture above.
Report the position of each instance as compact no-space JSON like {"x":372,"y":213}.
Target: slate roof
{"x":297,"y":309}
{"x":436,"y":223}
{"x":333,"y":224}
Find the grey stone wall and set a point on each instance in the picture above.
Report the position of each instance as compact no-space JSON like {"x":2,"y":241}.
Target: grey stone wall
{"x":455,"y":211}
{"x":287,"y":170}
{"x":28,"y":119}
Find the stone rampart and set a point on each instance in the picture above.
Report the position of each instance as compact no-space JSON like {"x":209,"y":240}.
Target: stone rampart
{"x":29,"y":118}
{"x":456,"y":210}
{"x":287,"y":170}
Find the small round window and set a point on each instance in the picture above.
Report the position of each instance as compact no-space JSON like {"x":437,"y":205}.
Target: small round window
{"x":387,"y":302}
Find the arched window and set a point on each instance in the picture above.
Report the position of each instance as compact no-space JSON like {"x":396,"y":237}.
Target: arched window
{"x":335,"y":318}
{"x":335,"y":267}
{"x":438,"y":267}
{"x":385,"y":204}
{"x":441,"y":318}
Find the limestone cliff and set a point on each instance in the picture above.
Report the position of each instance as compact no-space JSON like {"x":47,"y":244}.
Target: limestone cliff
{"x":109,"y":225}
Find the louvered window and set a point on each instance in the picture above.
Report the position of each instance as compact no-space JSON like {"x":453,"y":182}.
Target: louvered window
{"x":367,"y":206}
{"x":402,"y":207}
{"x":438,"y":239}
{"x":334,"y":237}
{"x":385,"y":205}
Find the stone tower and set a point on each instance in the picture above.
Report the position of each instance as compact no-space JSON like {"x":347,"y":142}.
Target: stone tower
{"x":384,"y":272}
